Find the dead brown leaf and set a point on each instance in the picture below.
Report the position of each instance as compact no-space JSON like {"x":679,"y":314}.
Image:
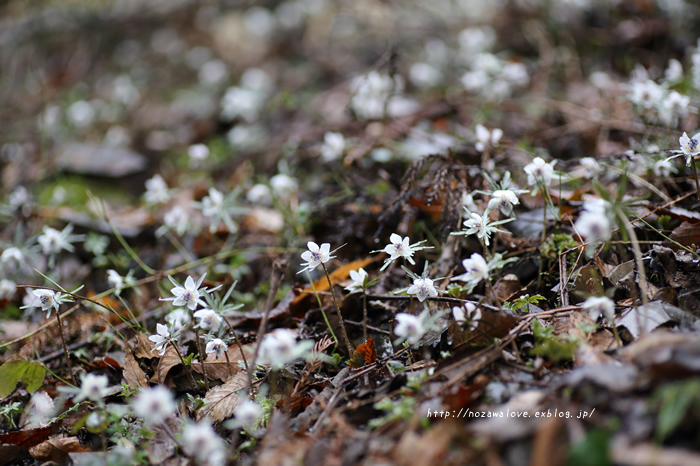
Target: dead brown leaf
{"x":144,"y":347}
{"x":216,"y":367}
{"x":56,"y":449}
{"x":169,"y":360}
{"x":132,"y":373}
{"x":223,"y":400}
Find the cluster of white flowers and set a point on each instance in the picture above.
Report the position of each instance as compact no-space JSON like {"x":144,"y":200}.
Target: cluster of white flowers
{"x":375,"y":92}
{"x":657,"y":102}
{"x":493,"y":78}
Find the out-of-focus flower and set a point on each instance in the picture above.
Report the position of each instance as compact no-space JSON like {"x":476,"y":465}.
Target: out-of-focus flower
{"x":202,"y":442}
{"x":333,"y":146}
{"x":283,"y":185}
{"x":157,"y":191}
{"x":93,"y":387}
{"x":280,"y":347}
{"x":591,"y":168}
{"x":476,"y":269}
{"x":8,"y":289}
{"x":208,"y":319}
{"x":486,"y":138}
{"x":600,"y":305}
{"x":154,"y":405}
{"x":468,"y":314}
{"x":178,"y":319}
{"x":539,"y":173}
{"x":594,"y":224}
{"x":409,"y":327}
{"x":53,"y":241}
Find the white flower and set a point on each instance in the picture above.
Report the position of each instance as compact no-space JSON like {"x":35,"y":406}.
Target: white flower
{"x":399,"y":248}
{"x":242,"y":102}
{"x":198,"y":152}
{"x":93,"y":387}
{"x":422,"y":288}
{"x":280,"y":347}
{"x":220,"y":208}
{"x":593,"y":224}
{"x":469,"y":314}
{"x":372,"y":92}
{"x":333,"y":146}
{"x":118,"y":282}
{"x":664,"y":168}
{"x":690,"y":147}
{"x":216,"y":346}
{"x":409,"y":327}
{"x":12,"y":253}
{"x":208,"y":319}
{"x":161,"y":339}
{"x":591,"y":167}
{"x":486,"y":138}
{"x":212,"y":203}
{"x":646,"y":94}
{"x":154,"y":405}
{"x":674,"y":72}
{"x":53,"y":241}
{"x":176,"y":219}
{"x":358,"y":277}
{"x":503,"y":199}
{"x":673,"y":107}
{"x":539,"y":173}
{"x":259,"y":194}
{"x":600,"y":305}
{"x":187,"y":295}
{"x":8,"y":289}
{"x":47,"y":300}
{"x":315,"y":255}
{"x":283,"y":185}
{"x":203,"y":443}
{"x":477,"y":269}
{"x":424,"y":75}
{"x":157,"y":191}
{"x":247,"y":413}
{"x":178,"y":319}
{"x":481,"y":226}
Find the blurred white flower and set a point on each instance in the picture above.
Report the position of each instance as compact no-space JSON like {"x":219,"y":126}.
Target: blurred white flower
{"x":12,"y":254}
{"x":283,"y":185}
{"x":645,"y":94}
{"x":539,"y":173}
{"x":201,"y":442}
{"x":247,"y":413}
{"x":594,"y":224}
{"x":157,"y":191}
{"x":424,"y":75}
{"x":53,"y":241}
{"x":242,"y":102}
{"x":81,"y":114}
{"x":468,"y":314}
{"x":176,"y":219}
{"x":600,"y":305}
{"x":213,"y":73}
{"x":280,"y":347}
{"x":674,"y":107}
{"x":486,"y":138}
{"x":333,"y":146}
{"x":178,"y":319}
{"x":591,"y":168}
{"x":260,"y":194}
{"x":664,"y":168}
{"x":93,"y":387}
{"x":8,"y":289}
{"x":674,"y":72}
{"x":154,"y":405}
{"x":208,"y":320}
{"x":198,"y":152}
{"x":476,"y":270}
{"x":409,"y":327}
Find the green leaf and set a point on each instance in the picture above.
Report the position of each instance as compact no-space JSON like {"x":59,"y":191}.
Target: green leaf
{"x":30,"y":373}
{"x":11,"y":373}
{"x":33,"y":378}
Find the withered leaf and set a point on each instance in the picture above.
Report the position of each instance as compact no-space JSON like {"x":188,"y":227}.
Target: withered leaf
{"x":144,"y":347}
{"x":56,"y":449}
{"x":223,"y":400}
{"x":132,"y":373}
{"x":169,"y":360}
{"x":216,"y":368}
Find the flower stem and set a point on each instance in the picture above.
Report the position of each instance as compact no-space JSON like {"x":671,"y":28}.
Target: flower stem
{"x":337,"y":308}
{"x":323,"y":313}
{"x":65,"y":348}
{"x":238,"y":343}
{"x":188,"y":370}
{"x":697,"y":183}
{"x":640,"y":268}
{"x":201,"y":359}
{"x":364,"y":315}
{"x":228,"y":362}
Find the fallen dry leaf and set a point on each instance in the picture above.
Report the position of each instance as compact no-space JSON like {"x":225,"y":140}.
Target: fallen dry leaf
{"x":223,"y":400}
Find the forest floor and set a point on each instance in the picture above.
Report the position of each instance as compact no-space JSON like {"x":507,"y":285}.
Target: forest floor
{"x":370,"y":232}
